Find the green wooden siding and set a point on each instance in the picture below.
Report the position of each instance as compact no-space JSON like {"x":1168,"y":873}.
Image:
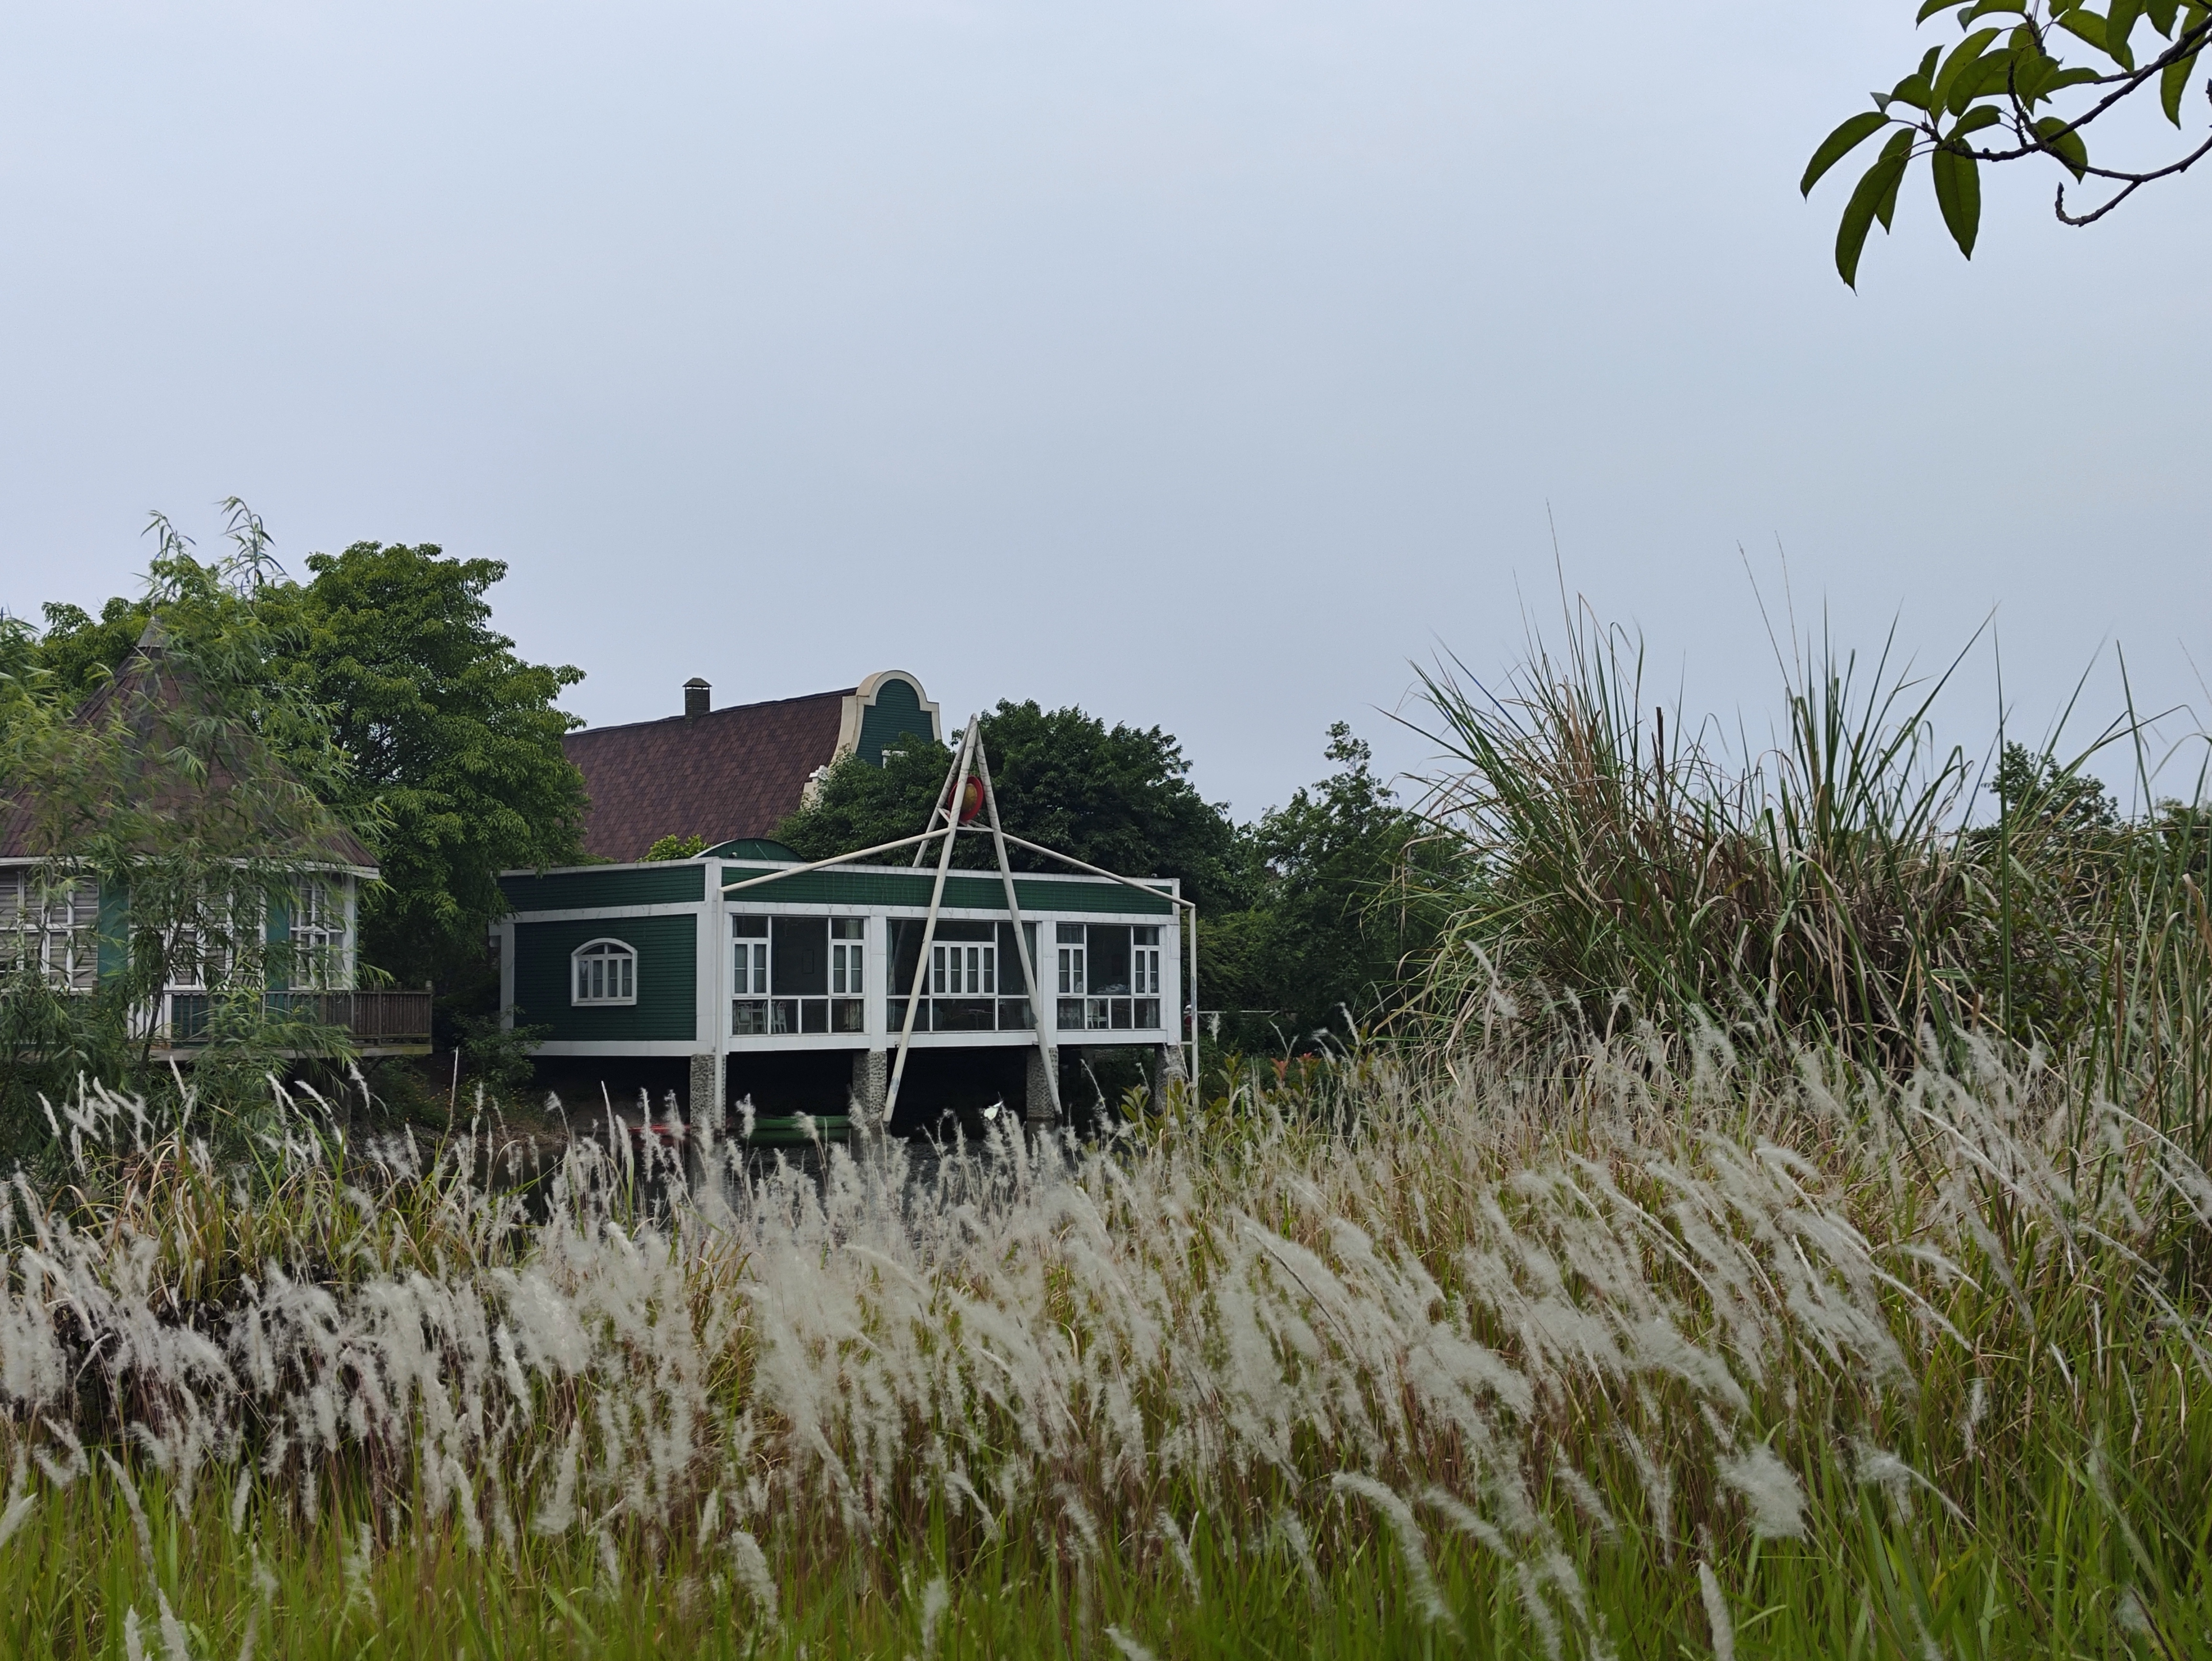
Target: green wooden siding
{"x":114,"y":937}
{"x":896,"y":713}
{"x":580,"y":890}
{"x":966,"y":891}
{"x":279,"y":935}
{"x":667,"y":979}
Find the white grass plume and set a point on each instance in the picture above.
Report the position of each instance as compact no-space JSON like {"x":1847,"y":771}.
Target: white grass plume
{"x":1770,"y":1490}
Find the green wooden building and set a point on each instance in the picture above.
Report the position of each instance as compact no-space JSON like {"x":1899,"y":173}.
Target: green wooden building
{"x":754,"y":978}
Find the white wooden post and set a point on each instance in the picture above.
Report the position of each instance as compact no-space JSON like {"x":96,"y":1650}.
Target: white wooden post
{"x":958,"y":784}
{"x":1046,"y":1047}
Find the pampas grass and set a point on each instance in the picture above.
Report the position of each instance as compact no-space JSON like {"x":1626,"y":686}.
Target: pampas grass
{"x":1592,"y":1350}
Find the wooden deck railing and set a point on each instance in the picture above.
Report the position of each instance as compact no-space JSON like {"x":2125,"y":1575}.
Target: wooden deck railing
{"x":375,"y":1019}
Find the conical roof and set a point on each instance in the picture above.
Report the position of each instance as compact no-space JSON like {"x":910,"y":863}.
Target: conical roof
{"x":170,"y":767}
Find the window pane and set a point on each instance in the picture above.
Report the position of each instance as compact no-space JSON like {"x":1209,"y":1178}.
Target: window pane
{"x":1108,"y":964}
{"x":800,"y":966}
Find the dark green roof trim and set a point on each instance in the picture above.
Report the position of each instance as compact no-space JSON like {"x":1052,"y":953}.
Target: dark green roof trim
{"x":751,"y":847}
{"x":965,"y":892}
{"x":589,"y":889}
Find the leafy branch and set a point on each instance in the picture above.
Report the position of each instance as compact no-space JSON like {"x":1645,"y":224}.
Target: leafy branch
{"x":2003,"y":83}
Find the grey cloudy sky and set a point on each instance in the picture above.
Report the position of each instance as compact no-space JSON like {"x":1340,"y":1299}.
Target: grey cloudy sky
{"x":1199,"y":363}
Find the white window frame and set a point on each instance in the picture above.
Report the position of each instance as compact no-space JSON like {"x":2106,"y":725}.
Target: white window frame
{"x":55,"y":928}
{"x":963,"y":969}
{"x":614,"y":954}
{"x":848,"y":958}
{"x":322,"y":945}
{"x":1072,"y":942}
{"x":1145,"y":961}
{"x":751,"y":969}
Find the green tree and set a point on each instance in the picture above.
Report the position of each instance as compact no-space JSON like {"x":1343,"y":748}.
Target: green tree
{"x":1346,"y":884}
{"x":1120,"y":797}
{"x":2001,"y":95}
{"x":454,"y":741}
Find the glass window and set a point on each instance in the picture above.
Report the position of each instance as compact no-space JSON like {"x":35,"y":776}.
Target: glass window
{"x":847,"y":965}
{"x":52,"y":927}
{"x":749,"y":958}
{"x":606,"y":972}
{"x":797,"y":975}
{"x":1108,"y":977}
{"x":801,"y":967}
{"x":1109,"y":946}
{"x":319,"y":934}
{"x":1072,"y":967}
{"x":1145,"y":963}
{"x":963,"y":969}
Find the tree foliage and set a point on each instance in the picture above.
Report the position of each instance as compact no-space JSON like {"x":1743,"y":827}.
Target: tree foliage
{"x":1345,"y":884}
{"x":2008,"y":94}
{"x":454,"y":740}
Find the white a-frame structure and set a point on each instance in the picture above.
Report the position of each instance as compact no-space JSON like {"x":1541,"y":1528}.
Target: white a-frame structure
{"x":968,"y":805}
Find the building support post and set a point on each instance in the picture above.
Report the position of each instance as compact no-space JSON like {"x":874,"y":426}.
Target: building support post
{"x":703,"y":1128}
{"x":869,"y":1074}
{"x":1041,"y":1097}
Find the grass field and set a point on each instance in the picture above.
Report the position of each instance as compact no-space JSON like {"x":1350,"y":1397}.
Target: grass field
{"x":1636,"y":1348}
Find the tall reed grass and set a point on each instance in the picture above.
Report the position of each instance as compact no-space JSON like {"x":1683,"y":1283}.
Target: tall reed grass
{"x":1832,"y":884}
{"x":1653,"y":1351}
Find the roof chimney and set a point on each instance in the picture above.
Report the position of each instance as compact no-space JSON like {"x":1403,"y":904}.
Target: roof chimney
{"x":696,"y":694}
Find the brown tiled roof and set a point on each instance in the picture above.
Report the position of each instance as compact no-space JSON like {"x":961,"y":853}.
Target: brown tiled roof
{"x":157,"y":699}
{"x":733,"y":772}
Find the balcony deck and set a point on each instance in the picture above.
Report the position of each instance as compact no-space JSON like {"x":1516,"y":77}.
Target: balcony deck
{"x":379,"y":1023}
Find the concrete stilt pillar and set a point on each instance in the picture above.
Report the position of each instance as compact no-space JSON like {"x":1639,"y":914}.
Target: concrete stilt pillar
{"x":871,"y":1075}
{"x":1036,"y":1105}
{"x":1155,"y":1078}
{"x":703,"y":1114}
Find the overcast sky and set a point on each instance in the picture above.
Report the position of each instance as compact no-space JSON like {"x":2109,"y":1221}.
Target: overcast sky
{"x":1201,"y":364}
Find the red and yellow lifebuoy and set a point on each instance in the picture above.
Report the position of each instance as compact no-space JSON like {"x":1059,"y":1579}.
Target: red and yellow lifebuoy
{"x":971,"y":799}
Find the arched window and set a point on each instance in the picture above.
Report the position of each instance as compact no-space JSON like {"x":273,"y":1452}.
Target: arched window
{"x":606,"y":972}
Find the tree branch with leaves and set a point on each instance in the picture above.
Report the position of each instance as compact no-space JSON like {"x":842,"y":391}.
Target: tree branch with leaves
{"x":1997,"y":97}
